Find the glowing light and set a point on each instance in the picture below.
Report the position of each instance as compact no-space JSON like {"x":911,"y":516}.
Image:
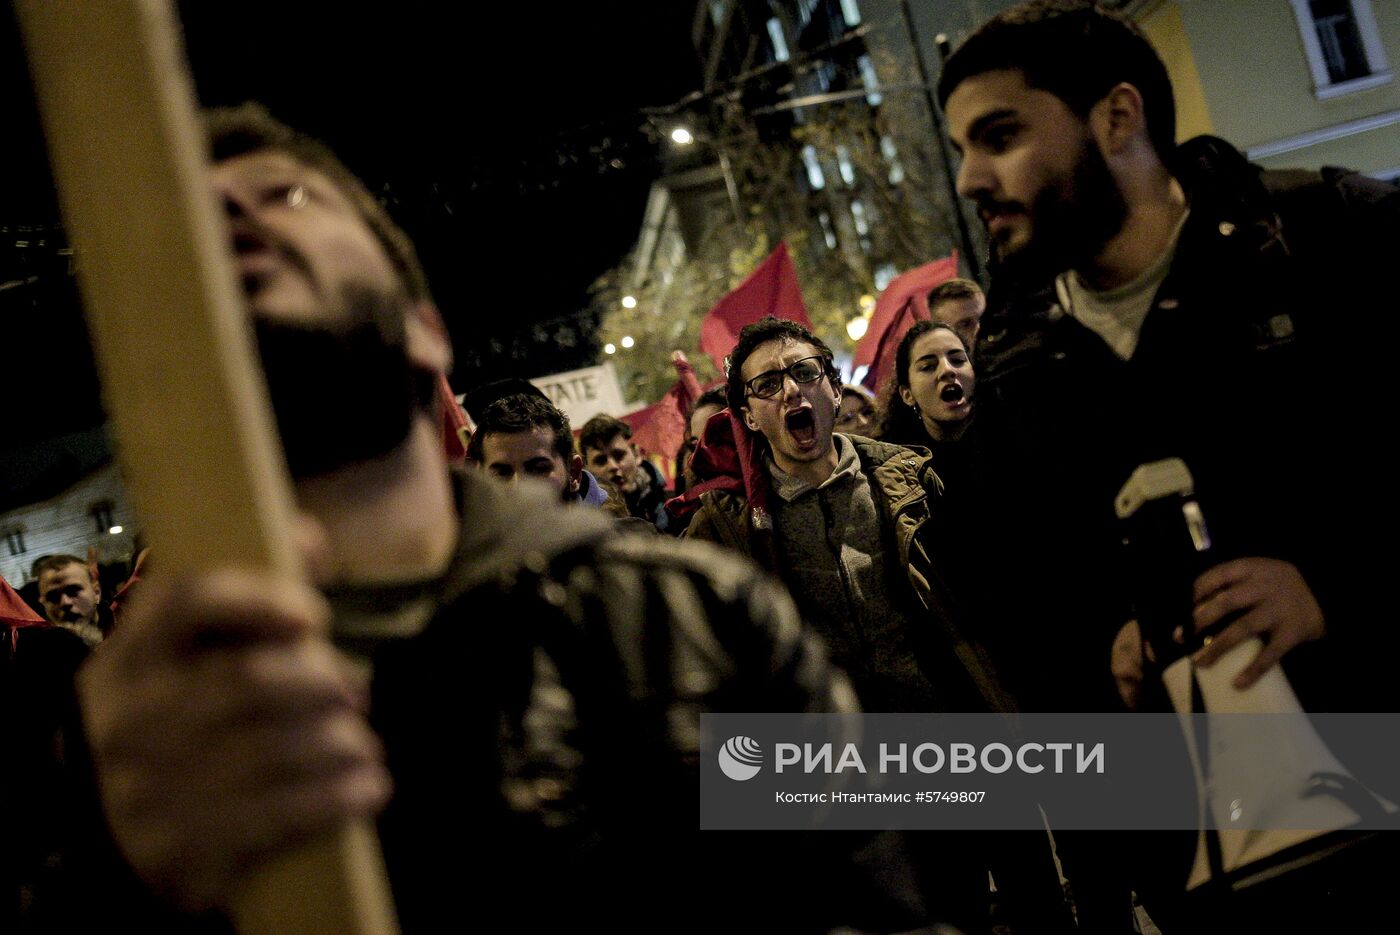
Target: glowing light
{"x":629,"y":301}
{"x":857,"y":327}
{"x":627,"y":341}
{"x":682,"y":137}
{"x":609,"y":348}
{"x":115,"y":530}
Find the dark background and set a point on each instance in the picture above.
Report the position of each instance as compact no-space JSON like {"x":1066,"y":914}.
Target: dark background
{"x":508,"y":139}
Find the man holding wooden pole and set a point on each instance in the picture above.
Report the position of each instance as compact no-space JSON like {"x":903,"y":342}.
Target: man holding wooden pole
{"x":532,"y":724}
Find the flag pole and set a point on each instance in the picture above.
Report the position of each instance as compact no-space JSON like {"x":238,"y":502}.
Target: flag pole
{"x":175,"y":345}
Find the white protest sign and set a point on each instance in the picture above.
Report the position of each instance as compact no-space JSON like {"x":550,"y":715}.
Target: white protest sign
{"x":583,"y":394}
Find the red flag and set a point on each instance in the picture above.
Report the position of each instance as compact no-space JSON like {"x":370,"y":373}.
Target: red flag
{"x":455,"y":430}
{"x":14,"y":612}
{"x":771,"y":289}
{"x":659,"y":429}
{"x":904,"y":301}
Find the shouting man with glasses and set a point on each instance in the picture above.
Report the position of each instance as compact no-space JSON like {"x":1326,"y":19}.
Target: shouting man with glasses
{"x":843,"y":520}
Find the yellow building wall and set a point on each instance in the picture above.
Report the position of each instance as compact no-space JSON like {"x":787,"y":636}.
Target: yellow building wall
{"x":1254,"y":71}
{"x":1164,"y":27}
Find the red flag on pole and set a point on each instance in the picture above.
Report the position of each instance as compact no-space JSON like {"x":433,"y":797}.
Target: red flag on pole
{"x":455,"y":430}
{"x":904,"y":301}
{"x":771,"y":289}
{"x":660,"y":429}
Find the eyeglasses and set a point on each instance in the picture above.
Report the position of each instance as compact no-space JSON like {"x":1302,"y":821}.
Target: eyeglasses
{"x":769,"y":384}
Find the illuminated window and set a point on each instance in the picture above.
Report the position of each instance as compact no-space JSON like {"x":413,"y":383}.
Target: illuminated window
{"x":872,"y":81}
{"x":858,"y":216}
{"x":850,"y":12}
{"x":892,"y":157}
{"x":775,"y":35}
{"x":843,"y":160}
{"x":815,"y":178}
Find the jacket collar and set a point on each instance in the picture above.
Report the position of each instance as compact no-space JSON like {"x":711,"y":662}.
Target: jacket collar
{"x":789,"y":488}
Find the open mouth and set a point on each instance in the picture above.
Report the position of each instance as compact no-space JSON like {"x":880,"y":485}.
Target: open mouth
{"x":801,"y":426}
{"x":952,"y":393}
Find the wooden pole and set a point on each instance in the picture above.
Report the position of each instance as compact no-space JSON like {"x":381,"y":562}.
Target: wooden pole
{"x":174,"y":342}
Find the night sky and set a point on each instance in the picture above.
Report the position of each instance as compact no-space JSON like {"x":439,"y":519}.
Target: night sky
{"x":491,"y":130}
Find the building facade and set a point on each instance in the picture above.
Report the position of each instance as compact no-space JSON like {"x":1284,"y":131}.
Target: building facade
{"x":1305,"y":83}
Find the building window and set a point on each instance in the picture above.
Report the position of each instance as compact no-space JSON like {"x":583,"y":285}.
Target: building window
{"x":850,"y":12}
{"x":884,"y":276}
{"x":775,"y":35}
{"x":828,"y":232}
{"x":815,"y":178}
{"x":871,"y":80}
{"x":892,"y":158}
{"x":1343,"y":46}
{"x":862,"y":224}
{"x":859,"y":219}
{"x":848,"y":170}
{"x":102,"y":515}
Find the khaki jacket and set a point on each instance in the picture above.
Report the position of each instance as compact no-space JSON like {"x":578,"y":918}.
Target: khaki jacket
{"x":906,"y":494}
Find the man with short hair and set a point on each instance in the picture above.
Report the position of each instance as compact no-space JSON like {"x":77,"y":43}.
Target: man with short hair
{"x":959,"y":304}
{"x":1153,"y":301}
{"x":509,"y":704}
{"x":70,"y":595}
{"x":608,"y":450}
{"x":524,"y":435}
{"x":845,"y":522}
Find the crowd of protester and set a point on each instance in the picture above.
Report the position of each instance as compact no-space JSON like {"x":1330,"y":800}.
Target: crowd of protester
{"x":944,"y":543}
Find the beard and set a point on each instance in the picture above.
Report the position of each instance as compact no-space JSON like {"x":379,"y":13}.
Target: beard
{"x":344,"y":391}
{"x":1072,"y":219}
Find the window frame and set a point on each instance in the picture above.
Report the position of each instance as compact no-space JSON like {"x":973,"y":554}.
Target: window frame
{"x":1323,"y":87}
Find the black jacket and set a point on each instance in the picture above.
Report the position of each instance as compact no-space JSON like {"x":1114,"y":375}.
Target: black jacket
{"x":547,"y":720}
{"x":543,"y":735}
{"x":1263,"y":364}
